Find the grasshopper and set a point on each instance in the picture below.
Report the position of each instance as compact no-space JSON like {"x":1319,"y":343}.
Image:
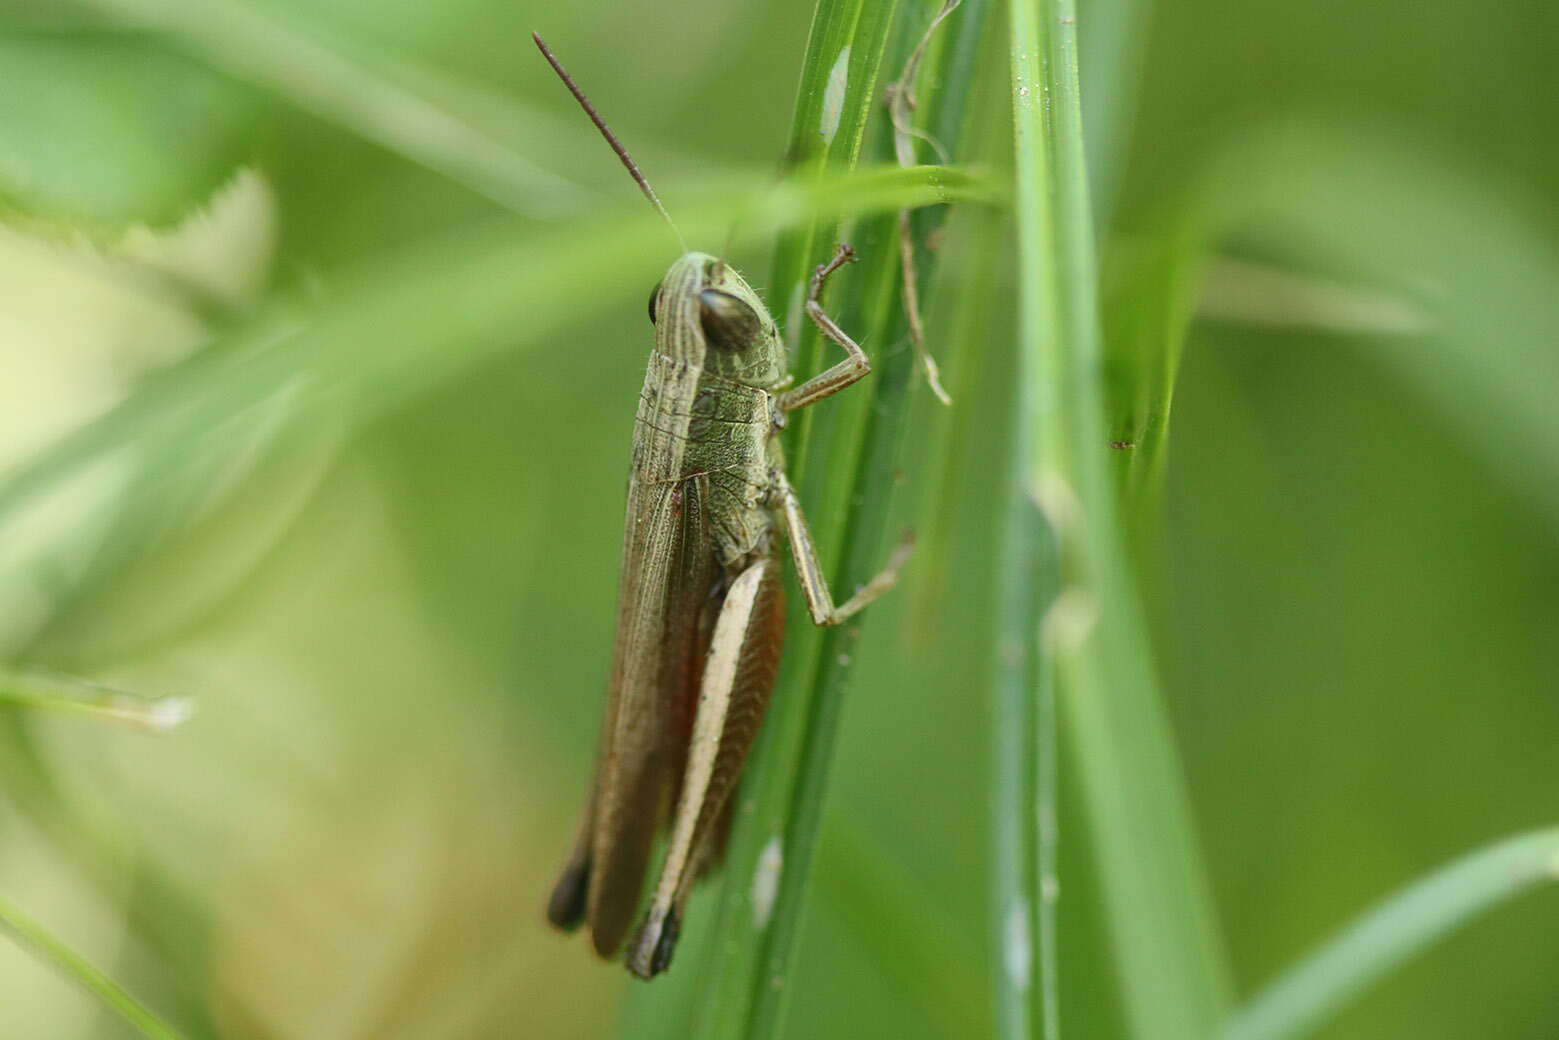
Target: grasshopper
{"x":700,"y":608}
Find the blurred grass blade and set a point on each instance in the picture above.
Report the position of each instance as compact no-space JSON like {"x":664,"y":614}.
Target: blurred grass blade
{"x":1170,"y":961}
{"x":42,"y":691}
{"x":29,"y":934}
{"x":1022,"y":933}
{"x":1151,"y":293}
{"x":1458,"y":291}
{"x":1023,"y":812}
{"x":409,"y":324}
{"x":1114,"y":55}
{"x":1303,"y":998}
{"x":246,"y":42}
{"x":1470,"y":255}
{"x":164,"y":914}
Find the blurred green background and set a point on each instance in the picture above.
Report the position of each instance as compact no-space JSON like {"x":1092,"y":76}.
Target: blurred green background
{"x":395,"y":618}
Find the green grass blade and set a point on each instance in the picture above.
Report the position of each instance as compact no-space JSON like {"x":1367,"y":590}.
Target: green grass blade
{"x":1114,"y":51}
{"x":838,"y":90}
{"x":41,"y":691}
{"x":1405,"y":924}
{"x":860,"y":554}
{"x":868,"y":438}
{"x":411,"y":323}
{"x":31,"y":935}
{"x":857,"y":432}
{"x":961,"y":120}
{"x":1477,"y":278}
{"x":170,"y":919}
{"x":838,"y":82}
{"x":1170,"y":961}
{"x":1019,"y":936}
{"x":1459,"y":290}
{"x":1022,"y":933}
{"x":841,"y":68}
{"x":1150,"y":294}
{"x":835,"y":96}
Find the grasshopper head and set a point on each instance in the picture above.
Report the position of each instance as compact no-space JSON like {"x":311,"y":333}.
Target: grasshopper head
{"x":705,"y":313}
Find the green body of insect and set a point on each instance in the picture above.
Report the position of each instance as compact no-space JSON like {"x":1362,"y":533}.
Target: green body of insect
{"x":700,"y":610}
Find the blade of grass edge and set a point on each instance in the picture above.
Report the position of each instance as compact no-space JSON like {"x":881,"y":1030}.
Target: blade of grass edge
{"x":1401,"y":926}
{"x":1171,"y":964}
{"x":31,"y":935}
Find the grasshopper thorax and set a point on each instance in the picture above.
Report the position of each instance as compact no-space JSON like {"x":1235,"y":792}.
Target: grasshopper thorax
{"x":707,"y":315}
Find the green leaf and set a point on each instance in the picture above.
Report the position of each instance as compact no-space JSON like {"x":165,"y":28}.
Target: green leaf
{"x":1405,"y":924}
{"x":113,"y":130}
{"x":1169,"y":959}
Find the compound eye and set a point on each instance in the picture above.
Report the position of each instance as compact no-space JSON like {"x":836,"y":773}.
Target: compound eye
{"x":654,"y":295}
{"x":729,"y":323}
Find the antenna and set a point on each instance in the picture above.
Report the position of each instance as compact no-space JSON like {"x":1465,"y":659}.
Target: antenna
{"x":606,"y":132}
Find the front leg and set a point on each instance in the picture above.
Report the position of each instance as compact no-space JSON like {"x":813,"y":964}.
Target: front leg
{"x":814,"y":587}
{"x":845,"y":372}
